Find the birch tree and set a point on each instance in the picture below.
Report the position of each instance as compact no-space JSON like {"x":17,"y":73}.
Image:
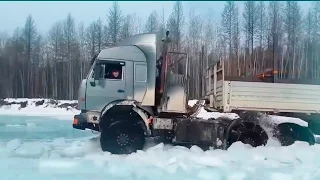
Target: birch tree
{"x":292,"y":26}
{"x":275,"y":33}
{"x":262,"y":35}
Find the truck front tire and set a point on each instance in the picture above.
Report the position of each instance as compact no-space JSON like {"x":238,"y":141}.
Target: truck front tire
{"x":122,"y":137}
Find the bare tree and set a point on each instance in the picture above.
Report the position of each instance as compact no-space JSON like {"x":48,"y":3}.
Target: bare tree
{"x":262,"y":24}
{"x":114,"y":23}
{"x":152,"y":24}
{"x":105,"y":37}
{"x":292,"y":26}
{"x":236,"y":39}
{"x":69,"y":42}
{"x":91,"y":38}
{"x":128,"y":28}
{"x":250,"y":27}
{"x":275,"y":32}
{"x":135,"y":24}
{"x":82,"y":47}
{"x":229,"y":28}
{"x":55,"y":41}
{"x":194,"y":43}
{"x":99,"y":31}
{"x":313,"y":37}
{"x":176,"y":25}
{"x":262,"y":35}
{"x":30,"y":40}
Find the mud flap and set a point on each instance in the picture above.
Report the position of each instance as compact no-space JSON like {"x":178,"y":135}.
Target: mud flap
{"x":314,"y":126}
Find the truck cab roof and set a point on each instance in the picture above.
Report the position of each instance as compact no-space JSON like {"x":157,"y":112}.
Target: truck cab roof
{"x":131,"y":53}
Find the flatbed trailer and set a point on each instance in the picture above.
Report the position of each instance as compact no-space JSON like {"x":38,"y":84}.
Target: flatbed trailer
{"x":253,"y":94}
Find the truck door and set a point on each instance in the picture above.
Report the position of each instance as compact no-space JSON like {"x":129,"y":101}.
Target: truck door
{"x":110,"y":87}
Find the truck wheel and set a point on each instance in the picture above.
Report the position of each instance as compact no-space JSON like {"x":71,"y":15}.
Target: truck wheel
{"x":288,"y":133}
{"x":122,"y":137}
{"x":253,"y":139}
{"x":248,"y":133}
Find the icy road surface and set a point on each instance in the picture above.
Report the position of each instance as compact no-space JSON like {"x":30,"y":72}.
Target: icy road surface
{"x":34,"y":148}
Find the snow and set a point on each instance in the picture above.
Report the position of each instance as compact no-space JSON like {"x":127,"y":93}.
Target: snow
{"x":206,"y":115}
{"x":82,"y":158}
{"x":33,"y":147}
{"x":42,"y":110}
{"x":270,"y":119}
{"x":282,"y":119}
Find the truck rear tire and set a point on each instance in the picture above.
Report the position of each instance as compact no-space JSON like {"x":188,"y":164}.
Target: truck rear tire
{"x":288,"y":133}
{"x":248,"y":133}
{"x":122,"y":137}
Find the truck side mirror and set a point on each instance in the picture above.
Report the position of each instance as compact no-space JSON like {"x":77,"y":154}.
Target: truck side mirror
{"x":96,"y":74}
{"x":97,"y":71}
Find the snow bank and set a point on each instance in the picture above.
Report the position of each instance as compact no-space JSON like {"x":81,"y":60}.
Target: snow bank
{"x":39,"y":107}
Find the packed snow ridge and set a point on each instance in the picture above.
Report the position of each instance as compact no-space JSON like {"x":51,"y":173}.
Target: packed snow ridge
{"x":38,"y":107}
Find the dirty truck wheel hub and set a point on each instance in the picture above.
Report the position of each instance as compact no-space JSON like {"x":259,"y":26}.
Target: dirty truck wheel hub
{"x":123,"y":139}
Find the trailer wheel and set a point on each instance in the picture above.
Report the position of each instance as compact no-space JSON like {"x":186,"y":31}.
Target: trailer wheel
{"x":248,"y":133}
{"x":122,"y":137}
{"x":288,"y":133}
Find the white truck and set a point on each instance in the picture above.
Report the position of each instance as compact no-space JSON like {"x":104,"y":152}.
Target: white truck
{"x":132,"y":92}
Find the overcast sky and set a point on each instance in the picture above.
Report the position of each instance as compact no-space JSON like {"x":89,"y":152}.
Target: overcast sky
{"x":13,"y":14}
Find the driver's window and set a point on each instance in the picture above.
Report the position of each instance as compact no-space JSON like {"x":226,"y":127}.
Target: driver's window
{"x":113,"y":71}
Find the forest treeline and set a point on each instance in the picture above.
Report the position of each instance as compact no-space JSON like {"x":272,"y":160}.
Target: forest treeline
{"x":263,"y":35}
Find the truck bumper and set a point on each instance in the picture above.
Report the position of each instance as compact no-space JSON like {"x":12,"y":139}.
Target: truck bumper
{"x":80,"y":122}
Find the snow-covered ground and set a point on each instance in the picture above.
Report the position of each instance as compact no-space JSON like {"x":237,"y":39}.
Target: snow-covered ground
{"x":46,"y":109}
{"x":38,"y":146}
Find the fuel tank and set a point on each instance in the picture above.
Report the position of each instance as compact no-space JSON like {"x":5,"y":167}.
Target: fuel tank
{"x":200,"y":131}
